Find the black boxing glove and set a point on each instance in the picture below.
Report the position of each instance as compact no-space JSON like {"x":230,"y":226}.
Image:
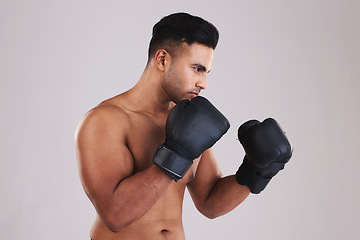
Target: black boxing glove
{"x":267,"y":150}
{"x":191,"y":128}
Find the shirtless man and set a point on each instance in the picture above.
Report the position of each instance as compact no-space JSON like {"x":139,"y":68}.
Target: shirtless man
{"x":139,"y":150}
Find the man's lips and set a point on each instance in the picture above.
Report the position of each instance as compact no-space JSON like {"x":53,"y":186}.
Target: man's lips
{"x":194,"y":94}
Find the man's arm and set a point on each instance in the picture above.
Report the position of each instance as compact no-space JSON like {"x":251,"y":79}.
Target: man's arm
{"x":213,"y":194}
{"x":106,"y":166}
{"x":267,"y":151}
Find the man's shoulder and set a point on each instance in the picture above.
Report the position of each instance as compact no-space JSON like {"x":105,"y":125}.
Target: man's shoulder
{"x":105,"y":116}
{"x":107,"y":111}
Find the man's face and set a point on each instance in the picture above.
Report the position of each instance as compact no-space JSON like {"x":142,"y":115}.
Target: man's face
{"x":186,"y":75}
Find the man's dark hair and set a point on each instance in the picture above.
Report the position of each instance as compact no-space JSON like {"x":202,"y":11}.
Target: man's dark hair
{"x":171,"y":31}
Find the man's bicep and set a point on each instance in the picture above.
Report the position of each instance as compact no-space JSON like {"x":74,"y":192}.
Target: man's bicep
{"x":103,"y":157}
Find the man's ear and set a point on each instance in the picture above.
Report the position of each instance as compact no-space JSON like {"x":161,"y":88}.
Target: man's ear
{"x":161,"y":58}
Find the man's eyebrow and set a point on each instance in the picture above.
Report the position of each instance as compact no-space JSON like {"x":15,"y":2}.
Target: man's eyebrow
{"x":201,"y":67}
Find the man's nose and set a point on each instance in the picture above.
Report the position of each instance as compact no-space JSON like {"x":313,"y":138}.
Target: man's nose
{"x":201,"y":83}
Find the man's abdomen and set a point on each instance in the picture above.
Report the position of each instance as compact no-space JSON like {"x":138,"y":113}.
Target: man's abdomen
{"x":151,"y":230}
{"x":163,"y":221}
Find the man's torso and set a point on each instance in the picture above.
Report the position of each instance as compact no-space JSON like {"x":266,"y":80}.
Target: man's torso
{"x":164,"y":220}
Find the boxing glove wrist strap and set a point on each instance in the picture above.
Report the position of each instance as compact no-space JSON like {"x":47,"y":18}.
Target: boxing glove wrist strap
{"x":171,"y":162}
{"x":246,"y":175}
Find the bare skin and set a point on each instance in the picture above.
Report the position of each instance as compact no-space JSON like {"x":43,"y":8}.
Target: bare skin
{"x":115,"y":143}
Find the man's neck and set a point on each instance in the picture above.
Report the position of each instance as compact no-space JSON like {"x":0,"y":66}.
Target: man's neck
{"x":149,"y":95}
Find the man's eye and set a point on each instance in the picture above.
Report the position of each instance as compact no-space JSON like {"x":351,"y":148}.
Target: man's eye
{"x":197,"y":69}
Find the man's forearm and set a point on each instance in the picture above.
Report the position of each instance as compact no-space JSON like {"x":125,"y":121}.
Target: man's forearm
{"x":133,"y":197}
{"x":226,"y":195}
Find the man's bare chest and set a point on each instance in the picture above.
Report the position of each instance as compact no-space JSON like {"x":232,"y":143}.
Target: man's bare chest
{"x":144,"y":136}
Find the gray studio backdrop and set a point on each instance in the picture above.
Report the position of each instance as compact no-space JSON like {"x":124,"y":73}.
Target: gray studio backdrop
{"x":296,"y":61}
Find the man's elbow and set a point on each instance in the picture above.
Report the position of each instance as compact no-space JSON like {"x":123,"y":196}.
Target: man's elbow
{"x":212,"y":213}
{"x":115,"y":223}
{"x":213,"y":216}
{"x":114,"y":227}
